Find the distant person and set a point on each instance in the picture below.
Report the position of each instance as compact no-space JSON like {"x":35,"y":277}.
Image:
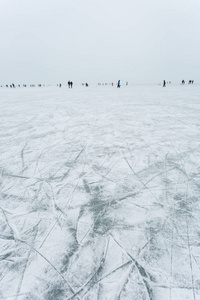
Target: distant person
{"x":86,"y":84}
{"x":127,"y":83}
{"x":164,"y":83}
{"x":112,"y":83}
{"x":183,"y":81}
{"x":69,"y":83}
{"x":60,"y":85}
{"x":118,"y":84}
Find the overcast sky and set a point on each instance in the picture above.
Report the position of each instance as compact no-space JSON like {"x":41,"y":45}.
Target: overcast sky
{"x":140,"y":41}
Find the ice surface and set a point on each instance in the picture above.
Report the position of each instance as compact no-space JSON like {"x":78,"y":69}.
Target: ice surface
{"x":100,"y":193}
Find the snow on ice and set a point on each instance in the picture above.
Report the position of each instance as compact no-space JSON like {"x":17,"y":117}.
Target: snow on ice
{"x":100,"y":193}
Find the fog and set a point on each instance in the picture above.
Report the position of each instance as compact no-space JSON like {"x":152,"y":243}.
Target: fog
{"x":99,"y":41}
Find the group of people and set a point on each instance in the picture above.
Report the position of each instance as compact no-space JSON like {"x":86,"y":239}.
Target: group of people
{"x":119,"y":83}
{"x":189,"y":82}
{"x":70,"y":84}
{"x":164,"y":83}
{"x":22,"y":85}
{"x":183,"y":82}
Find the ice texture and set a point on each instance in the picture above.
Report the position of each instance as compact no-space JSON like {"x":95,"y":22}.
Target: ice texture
{"x":100,"y":193}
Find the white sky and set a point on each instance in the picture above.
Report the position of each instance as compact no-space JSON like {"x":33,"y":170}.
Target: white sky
{"x":140,"y":41}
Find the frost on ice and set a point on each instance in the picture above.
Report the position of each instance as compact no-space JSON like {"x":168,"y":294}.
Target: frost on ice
{"x":100,"y":193}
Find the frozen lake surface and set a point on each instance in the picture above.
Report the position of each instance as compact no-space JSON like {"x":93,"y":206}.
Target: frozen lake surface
{"x":100,"y":193}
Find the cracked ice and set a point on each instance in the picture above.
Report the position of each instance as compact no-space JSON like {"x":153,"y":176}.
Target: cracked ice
{"x":100,"y":192}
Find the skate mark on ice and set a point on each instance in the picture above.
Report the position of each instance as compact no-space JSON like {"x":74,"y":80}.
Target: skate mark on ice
{"x":146,"y":277}
{"x":191,"y":267}
{"x":22,"y":154}
{"x":40,"y":254}
{"x":94,"y":278}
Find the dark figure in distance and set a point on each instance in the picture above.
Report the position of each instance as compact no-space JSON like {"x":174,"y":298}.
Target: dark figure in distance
{"x":71,"y":84}
{"x":183,"y":81}
{"x":118,"y":84}
{"x":164,"y":83}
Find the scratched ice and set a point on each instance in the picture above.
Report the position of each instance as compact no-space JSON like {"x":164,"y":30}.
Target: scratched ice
{"x":100,"y":193}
